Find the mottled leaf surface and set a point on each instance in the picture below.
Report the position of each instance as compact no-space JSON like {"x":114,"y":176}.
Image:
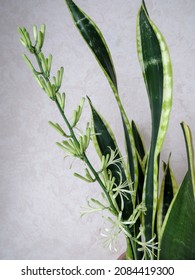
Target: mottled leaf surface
{"x":157,"y":72}
{"x":105,"y":142}
{"x":94,"y":39}
{"x":178,"y":238}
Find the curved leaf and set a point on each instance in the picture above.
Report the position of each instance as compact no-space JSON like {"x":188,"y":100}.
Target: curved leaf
{"x":138,"y":141}
{"x":157,"y":72}
{"x":178,"y":238}
{"x":140,"y":149}
{"x":129,"y":151}
{"x":190,"y":152}
{"x":168,"y":190}
{"x":105,"y":142}
{"x":95,"y":40}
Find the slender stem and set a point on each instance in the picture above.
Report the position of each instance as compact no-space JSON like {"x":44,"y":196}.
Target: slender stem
{"x":130,"y":247}
{"x":86,"y":160}
{"x":84,"y":157}
{"x":39,"y":63}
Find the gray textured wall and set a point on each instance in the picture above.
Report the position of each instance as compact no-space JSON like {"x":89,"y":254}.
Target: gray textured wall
{"x":39,"y":198}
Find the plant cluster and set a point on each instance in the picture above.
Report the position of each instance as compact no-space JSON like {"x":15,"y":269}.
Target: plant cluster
{"x":156,"y":219}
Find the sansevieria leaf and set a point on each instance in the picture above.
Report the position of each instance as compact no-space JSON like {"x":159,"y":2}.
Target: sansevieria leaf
{"x":138,"y":141}
{"x":177,"y":236}
{"x":168,"y":190}
{"x":157,"y":72}
{"x":105,"y":142}
{"x":190,"y":152}
{"x":96,"y":42}
{"x":140,"y":151}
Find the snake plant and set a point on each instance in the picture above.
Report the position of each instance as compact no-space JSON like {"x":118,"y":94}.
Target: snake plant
{"x":157,"y":218}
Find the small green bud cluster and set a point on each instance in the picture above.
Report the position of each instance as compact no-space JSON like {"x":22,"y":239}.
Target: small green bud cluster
{"x":77,"y":113}
{"x":42,"y":76}
{"x":39,"y":37}
{"x":72,"y":147}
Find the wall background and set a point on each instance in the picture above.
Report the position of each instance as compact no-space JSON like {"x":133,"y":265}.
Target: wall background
{"x":39,"y":198}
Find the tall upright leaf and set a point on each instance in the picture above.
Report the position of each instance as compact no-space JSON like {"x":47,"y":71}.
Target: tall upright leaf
{"x":96,"y":42}
{"x":105,"y":143}
{"x":190,"y":152}
{"x":138,"y":141}
{"x":140,"y":151}
{"x":177,"y":236}
{"x":157,"y":72}
{"x":168,"y":190}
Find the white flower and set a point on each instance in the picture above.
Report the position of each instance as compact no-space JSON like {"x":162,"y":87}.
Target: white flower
{"x":123,"y":190}
{"x":111,"y":159}
{"x":147,"y":247}
{"x":110,"y":235}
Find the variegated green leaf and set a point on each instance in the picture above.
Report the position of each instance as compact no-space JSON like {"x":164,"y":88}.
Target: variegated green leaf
{"x":190,"y":152}
{"x":105,"y":143}
{"x":177,"y":240}
{"x":169,"y":188}
{"x":96,"y":42}
{"x":138,"y":141}
{"x":157,"y":72}
{"x":140,"y":150}
{"x":129,"y":151}
{"x":177,"y":236}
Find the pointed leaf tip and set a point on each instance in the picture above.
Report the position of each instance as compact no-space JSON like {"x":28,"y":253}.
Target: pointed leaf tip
{"x":95,"y":40}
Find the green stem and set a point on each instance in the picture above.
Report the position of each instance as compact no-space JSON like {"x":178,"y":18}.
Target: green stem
{"x":131,"y":253}
{"x":84,"y":157}
{"x":39,"y":63}
{"x":133,"y":167}
{"x":86,"y":160}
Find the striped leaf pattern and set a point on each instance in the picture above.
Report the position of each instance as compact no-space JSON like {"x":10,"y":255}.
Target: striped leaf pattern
{"x":169,"y":188}
{"x":105,"y":142}
{"x":154,"y":226}
{"x":177,"y":240}
{"x":143,"y":168}
{"x":190,"y":152}
{"x":157,"y":72}
{"x":96,"y":42}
